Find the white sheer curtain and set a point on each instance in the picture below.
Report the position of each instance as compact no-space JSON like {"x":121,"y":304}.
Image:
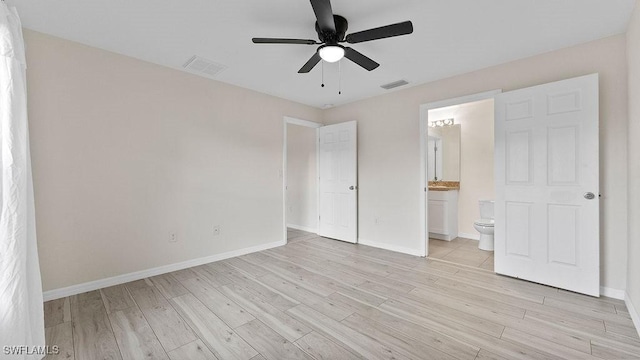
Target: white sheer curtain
{"x":21,"y":313}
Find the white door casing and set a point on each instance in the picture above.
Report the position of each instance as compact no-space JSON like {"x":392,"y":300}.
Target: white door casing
{"x":338,"y":182}
{"x":546,"y":165}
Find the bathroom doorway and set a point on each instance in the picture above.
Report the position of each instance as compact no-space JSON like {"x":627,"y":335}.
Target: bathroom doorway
{"x":457,"y":162}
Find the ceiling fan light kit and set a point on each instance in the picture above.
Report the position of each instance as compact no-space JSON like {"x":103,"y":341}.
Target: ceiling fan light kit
{"x":331,"y":53}
{"x":332,"y":30}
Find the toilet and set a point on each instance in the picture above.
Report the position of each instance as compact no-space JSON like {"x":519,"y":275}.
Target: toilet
{"x":485,"y":225}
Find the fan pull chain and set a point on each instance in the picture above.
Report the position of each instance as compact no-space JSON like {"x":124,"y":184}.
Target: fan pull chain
{"x":340,"y":77}
{"x":322,"y":85}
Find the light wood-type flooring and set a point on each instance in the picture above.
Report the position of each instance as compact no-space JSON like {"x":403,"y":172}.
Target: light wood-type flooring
{"x":461,"y":251}
{"x":323,"y":299}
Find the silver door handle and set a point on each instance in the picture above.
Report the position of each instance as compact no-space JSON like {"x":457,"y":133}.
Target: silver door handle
{"x":352,"y":187}
{"x":589,"y":196}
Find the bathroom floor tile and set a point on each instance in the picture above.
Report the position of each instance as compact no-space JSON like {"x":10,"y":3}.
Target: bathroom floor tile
{"x":461,"y":251}
{"x":438,"y":251}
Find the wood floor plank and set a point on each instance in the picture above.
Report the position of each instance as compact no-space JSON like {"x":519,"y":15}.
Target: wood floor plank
{"x":467,"y":319}
{"x":219,"y":338}
{"x":184,"y":274}
{"x":169,"y":327}
{"x":567,"y":320}
{"x":295,"y":274}
{"x":196,"y":350}
{"x":609,"y":351}
{"x":269,"y":343}
{"x":322,"y":348}
{"x":135,"y":338}
{"x":304,"y":296}
{"x":60,"y":335}
{"x":396,"y":341}
{"x":525,"y":340}
{"x":139,"y":284}
{"x":281,"y":322}
{"x":441,"y":323}
{"x":437,"y":340}
{"x":92,"y":334}
{"x":624,"y":330}
{"x":227,"y":310}
{"x":487,"y":355}
{"x":56,"y":312}
{"x":116,"y":298}
{"x":469,"y":303}
{"x":242,"y":264}
{"x":352,"y":339}
{"x":169,"y":287}
{"x":208,"y":272}
{"x":274,"y":297}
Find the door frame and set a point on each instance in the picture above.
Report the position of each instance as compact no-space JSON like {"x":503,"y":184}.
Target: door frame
{"x":424,"y":131}
{"x":310,"y":124}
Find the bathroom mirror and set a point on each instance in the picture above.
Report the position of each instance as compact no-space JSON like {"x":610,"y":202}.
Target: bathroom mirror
{"x":443,"y":153}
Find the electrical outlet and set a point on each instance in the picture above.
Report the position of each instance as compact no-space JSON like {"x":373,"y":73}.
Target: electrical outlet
{"x":173,"y":237}
{"x":216,"y":230}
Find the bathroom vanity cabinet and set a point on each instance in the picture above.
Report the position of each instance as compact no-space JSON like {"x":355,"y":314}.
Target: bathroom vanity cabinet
{"x":443,"y":214}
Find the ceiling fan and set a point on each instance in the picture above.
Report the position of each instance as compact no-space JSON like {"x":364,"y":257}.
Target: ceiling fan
{"x":332,"y":31}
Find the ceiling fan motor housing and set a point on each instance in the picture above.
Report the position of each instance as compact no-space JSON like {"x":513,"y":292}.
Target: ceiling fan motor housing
{"x":331,"y":38}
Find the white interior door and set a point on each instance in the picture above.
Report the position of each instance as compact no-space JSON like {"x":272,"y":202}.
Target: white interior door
{"x":547,"y":207}
{"x":338,"y":181}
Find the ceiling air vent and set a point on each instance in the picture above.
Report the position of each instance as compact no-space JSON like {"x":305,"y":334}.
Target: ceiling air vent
{"x":394,"y":84}
{"x":203,"y":66}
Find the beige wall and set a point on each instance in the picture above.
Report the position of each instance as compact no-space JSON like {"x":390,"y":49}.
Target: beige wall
{"x":476,"y":167}
{"x":302,"y":184}
{"x":126,"y":152}
{"x":633,"y":53}
{"x":388,"y":144}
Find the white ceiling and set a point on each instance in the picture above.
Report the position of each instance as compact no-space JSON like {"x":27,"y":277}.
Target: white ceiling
{"x":451,"y":36}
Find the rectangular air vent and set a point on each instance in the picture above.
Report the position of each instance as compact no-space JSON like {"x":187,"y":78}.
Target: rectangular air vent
{"x":394,"y":84}
{"x":203,"y":66}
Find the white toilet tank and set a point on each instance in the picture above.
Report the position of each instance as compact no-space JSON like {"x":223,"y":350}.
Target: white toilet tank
{"x":486,"y":209}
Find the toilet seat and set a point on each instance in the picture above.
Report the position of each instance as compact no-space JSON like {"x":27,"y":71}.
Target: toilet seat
{"x":484,"y":222}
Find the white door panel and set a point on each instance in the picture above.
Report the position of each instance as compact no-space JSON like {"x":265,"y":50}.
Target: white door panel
{"x":338,"y":182}
{"x":546,"y":161}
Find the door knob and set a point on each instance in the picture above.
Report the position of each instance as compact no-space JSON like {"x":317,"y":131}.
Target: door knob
{"x":589,"y":196}
{"x":352,"y":187}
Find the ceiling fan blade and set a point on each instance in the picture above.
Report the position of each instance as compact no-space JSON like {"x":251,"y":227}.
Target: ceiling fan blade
{"x":315,"y":59}
{"x":360,"y":59}
{"x":403,"y":28}
{"x":283,"y":41}
{"x":324,"y":15}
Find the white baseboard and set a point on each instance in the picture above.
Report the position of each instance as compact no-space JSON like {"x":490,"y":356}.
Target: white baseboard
{"x":303,"y":228}
{"x":124,"y":278}
{"x":442,"y":237}
{"x":612,"y":293}
{"x":632,"y":311}
{"x":469,"y":236}
{"x":400,"y":249}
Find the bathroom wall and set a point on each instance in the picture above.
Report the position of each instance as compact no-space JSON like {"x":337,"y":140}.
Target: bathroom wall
{"x":302,"y":191}
{"x":476,"y":167}
{"x":389,"y":145}
{"x":476,"y":159}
